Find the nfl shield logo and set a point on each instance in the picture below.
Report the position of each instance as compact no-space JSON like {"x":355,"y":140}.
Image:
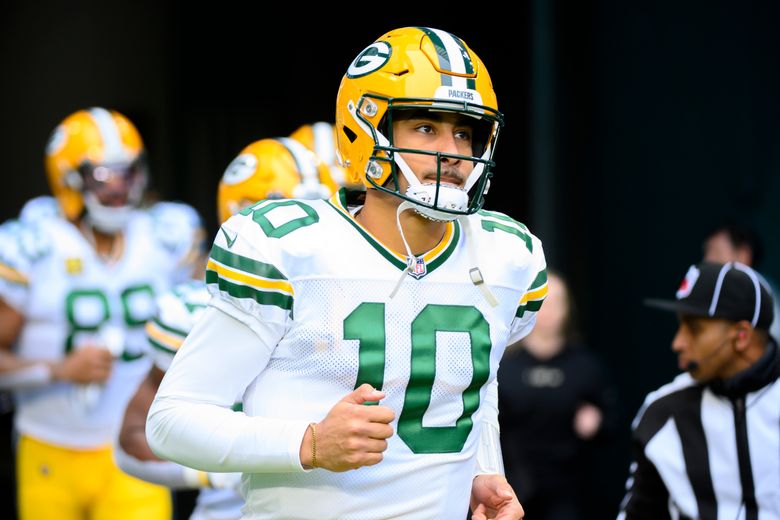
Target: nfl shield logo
{"x":687,"y":284}
{"x":418,"y":269}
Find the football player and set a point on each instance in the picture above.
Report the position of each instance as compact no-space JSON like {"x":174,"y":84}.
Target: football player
{"x":266,"y":169}
{"x":320,"y":138}
{"x":368,"y":337}
{"x":77,"y":286}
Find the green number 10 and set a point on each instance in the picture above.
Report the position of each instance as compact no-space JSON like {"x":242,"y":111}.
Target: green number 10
{"x":367,"y":324}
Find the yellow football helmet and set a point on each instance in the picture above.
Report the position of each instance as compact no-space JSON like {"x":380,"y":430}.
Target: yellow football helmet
{"x":272,"y":169}
{"x":95,"y":159}
{"x":416,"y":68}
{"x":320,"y":138}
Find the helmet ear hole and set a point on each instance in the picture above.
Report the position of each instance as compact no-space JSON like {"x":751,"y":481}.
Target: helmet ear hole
{"x":74,"y":181}
{"x":349,"y":133}
{"x":405,"y":71}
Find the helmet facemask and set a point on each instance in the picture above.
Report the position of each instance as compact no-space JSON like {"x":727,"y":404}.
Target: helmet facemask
{"x":434,"y":200}
{"x":111,"y":191}
{"x":417,"y":68}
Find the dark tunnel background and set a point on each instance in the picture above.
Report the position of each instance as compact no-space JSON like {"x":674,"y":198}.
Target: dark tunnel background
{"x":632,"y":129}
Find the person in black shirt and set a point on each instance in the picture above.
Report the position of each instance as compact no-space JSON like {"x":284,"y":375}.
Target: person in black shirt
{"x":553,"y":400}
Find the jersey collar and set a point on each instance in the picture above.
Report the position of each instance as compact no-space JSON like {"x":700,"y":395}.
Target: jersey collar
{"x":432,"y":259}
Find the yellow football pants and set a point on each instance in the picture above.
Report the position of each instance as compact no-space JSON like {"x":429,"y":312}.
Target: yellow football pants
{"x":61,"y":483}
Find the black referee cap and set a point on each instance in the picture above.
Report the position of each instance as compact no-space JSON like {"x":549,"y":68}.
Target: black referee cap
{"x":731,"y":291}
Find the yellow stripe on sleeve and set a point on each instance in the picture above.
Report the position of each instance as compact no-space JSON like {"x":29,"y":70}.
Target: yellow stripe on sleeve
{"x":163,"y":337}
{"x":247,"y":279}
{"x":12,"y":275}
{"x":536,"y":294}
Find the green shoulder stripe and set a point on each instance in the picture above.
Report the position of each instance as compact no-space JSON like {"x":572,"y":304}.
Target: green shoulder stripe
{"x":161,"y":347}
{"x":235,"y":290}
{"x":501,"y":216}
{"x":248,"y":265}
{"x":178,"y":332}
{"x":532,"y":306}
{"x":540,"y":280}
{"x":127,"y":356}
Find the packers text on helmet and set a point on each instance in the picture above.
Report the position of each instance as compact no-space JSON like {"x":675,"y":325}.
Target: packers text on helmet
{"x":416,"y":68}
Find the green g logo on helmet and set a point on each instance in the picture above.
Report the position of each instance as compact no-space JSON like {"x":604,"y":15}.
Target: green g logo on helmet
{"x":372,"y":58}
{"x":423,"y":69}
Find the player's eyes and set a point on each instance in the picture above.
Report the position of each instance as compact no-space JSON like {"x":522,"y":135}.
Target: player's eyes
{"x":463,"y":134}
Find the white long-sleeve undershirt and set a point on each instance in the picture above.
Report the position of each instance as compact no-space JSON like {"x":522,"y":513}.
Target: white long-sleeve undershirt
{"x":489,"y":456}
{"x":191,"y":421}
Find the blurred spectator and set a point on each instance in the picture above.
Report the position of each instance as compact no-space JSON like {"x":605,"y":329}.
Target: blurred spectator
{"x":733,"y":243}
{"x":553,"y":400}
{"x":737,"y":243}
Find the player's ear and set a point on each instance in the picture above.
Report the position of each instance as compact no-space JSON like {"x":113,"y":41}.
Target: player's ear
{"x":743,"y":334}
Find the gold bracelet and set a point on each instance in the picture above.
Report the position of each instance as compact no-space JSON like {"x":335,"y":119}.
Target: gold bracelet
{"x":313,"y":427}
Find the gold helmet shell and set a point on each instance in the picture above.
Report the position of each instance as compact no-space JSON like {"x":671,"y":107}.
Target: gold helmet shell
{"x":94,"y":136}
{"x":413,"y":68}
{"x":272,"y":169}
{"x":320,"y":138}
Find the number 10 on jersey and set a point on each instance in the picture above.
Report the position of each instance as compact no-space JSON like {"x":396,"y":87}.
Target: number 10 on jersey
{"x":367,"y":325}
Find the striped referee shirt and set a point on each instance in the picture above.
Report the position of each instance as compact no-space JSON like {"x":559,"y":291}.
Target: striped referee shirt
{"x":709,"y":451}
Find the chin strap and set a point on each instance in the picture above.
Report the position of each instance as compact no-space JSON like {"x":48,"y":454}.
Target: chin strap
{"x":449,"y":196}
{"x":107,"y":219}
{"x":474,"y":273}
{"x":410,"y":258}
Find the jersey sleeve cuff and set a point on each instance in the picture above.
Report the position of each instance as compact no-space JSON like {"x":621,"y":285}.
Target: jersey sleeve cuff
{"x":298,"y":431}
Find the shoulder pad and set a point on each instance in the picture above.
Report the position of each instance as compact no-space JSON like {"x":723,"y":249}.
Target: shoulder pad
{"x":177,"y":226}
{"x":40,"y":208}
{"x":26,"y":239}
{"x":493,"y":221}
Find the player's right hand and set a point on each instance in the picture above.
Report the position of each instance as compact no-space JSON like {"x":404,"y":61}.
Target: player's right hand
{"x":84,"y":365}
{"x":352,"y":435}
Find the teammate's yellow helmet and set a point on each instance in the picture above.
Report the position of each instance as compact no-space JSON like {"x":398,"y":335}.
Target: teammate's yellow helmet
{"x":415,"y":68}
{"x":320,"y":138}
{"x":272,"y":169}
{"x":88,"y":151}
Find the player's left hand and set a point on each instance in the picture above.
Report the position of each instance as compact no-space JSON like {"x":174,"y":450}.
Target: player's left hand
{"x":492,"y":498}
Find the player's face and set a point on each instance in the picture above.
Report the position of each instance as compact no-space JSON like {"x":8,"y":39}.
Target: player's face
{"x":111,"y":183}
{"x":719,"y":249}
{"x":705,"y":342}
{"x":435,"y":132}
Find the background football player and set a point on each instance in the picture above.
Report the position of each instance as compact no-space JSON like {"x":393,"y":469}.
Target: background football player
{"x":76,"y":288}
{"x":320,"y":138}
{"x":266,"y":169}
{"x":319,"y":308}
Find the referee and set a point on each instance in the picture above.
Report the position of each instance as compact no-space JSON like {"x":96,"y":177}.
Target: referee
{"x":707,"y":445}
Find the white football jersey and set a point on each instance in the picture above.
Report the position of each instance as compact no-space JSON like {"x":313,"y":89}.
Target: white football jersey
{"x":177,"y":311}
{"x":70,"y":297}
{"x":40,"y":208}
{"x":433,"y":347}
